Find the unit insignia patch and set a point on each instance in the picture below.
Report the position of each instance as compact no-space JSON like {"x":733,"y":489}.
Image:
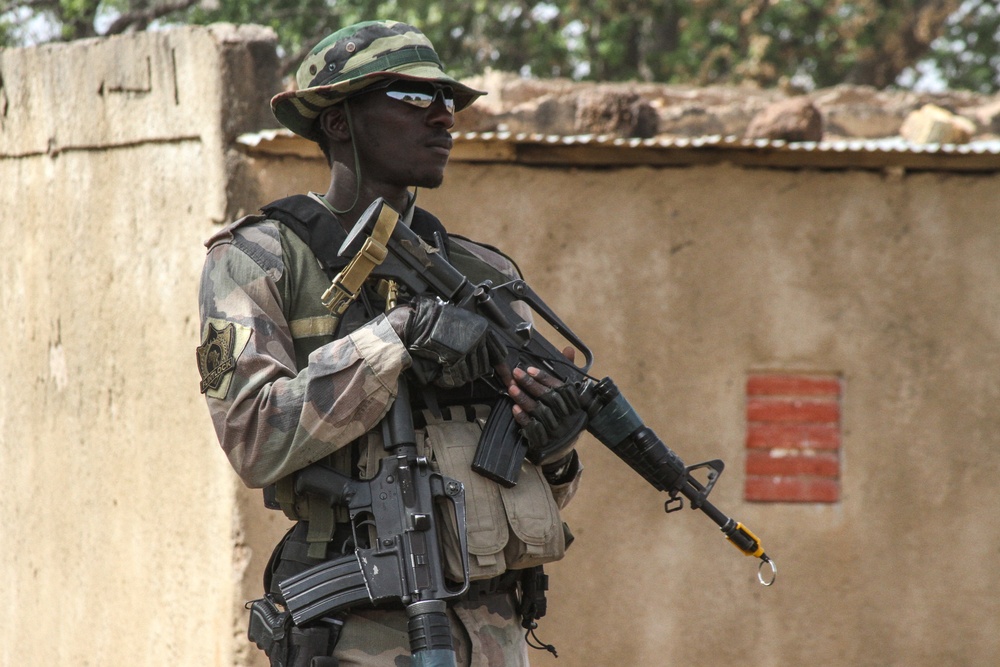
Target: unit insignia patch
{"x":217,"y":355}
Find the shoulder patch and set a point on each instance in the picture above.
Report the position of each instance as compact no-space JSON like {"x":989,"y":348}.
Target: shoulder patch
{"x":221,"y":347}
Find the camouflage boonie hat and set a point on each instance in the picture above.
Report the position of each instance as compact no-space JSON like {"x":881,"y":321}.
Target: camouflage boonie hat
{"x":354,"y":58}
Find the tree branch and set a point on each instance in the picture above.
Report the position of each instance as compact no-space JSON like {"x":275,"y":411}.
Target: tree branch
{"x":34,"y":5}
{"x":143,"y":17}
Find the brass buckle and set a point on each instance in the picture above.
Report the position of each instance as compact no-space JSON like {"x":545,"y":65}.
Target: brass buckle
{"x":337,"y":298}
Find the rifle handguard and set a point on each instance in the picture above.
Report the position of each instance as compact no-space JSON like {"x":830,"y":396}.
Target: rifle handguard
{"x":617,"y":425}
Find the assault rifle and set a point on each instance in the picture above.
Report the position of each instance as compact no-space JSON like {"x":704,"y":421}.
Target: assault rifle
{"x":398,"y":554}
{"x":402,"y":561}
{"x":399,"y":255}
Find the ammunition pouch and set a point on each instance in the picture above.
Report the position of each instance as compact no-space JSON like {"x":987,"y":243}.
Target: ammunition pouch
{"x":532,"y":603}
{"x":508,"y":528}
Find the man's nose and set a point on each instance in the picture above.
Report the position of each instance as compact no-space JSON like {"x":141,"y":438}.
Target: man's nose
{"x":438,"y":113}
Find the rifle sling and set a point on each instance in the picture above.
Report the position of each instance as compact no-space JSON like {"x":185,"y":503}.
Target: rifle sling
{"x":320,"y":229}
{"x":346,"y":285}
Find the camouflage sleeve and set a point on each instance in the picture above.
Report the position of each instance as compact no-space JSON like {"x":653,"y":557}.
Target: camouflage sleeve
{"x":271,"y":417}
{"x":566,"y":488}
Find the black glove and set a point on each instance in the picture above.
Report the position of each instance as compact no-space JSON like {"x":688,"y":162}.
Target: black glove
{"x":450,"y":346}
{"x":553,"y":420}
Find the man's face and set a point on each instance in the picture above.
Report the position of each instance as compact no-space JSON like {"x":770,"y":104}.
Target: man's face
{"x":399,"y":144}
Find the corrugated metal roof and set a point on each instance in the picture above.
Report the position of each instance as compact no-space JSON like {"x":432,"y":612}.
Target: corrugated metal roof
{"x":607,"y":151}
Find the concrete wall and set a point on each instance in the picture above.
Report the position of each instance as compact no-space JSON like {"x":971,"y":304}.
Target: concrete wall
{"x":128,"y":540}
{"x":121,"y":537}
{"x":685,"y":280}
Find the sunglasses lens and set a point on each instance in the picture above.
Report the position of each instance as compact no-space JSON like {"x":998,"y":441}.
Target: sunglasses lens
{"x":422,"y":95}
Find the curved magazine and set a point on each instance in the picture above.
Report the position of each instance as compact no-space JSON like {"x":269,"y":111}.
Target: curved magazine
{"x":324,"y":589}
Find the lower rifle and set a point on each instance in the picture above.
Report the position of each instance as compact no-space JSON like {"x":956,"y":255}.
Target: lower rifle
{"x":398,"y":556}
{"x":410,"y":261}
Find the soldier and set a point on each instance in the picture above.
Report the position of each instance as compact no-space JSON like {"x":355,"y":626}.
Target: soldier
{"x":288,"y":386}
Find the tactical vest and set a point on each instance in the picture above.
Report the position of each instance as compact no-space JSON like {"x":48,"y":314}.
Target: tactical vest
{"x":310,"y":238}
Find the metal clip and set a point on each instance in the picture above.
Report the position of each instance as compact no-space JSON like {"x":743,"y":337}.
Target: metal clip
{"x":339,"y":295}
{"x":389,"y":291}
{"x":760,"y":572}
{"x":337,"y":298}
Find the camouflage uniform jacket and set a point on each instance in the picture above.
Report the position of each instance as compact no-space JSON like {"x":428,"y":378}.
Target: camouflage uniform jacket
{"x":283,"y":392}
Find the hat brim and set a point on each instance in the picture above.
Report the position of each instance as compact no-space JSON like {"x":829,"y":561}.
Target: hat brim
{"x":298,"y":109}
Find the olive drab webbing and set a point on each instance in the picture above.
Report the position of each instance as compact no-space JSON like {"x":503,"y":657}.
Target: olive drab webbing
{"x":311,"y":327}
{"x":305,"y":222}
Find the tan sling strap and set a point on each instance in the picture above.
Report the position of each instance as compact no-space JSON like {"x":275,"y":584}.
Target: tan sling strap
{"x":346,"y":285}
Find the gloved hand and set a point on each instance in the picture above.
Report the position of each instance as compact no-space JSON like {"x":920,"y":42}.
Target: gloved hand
{"x":549,"y":413}
{"x":450,"y":346}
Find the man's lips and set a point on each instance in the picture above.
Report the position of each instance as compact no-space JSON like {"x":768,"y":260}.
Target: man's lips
{"x":441,"y":145}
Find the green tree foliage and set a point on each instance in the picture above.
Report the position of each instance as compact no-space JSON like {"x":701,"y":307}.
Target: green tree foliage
{"x":967,"y":52}
{"x":813,"y":43}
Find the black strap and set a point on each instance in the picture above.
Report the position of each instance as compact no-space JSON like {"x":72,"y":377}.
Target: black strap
{"x":322,"y":232}
{"x":315,"y":225}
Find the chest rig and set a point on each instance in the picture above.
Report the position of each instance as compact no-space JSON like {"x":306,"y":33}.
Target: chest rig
{"x":310,"y":239}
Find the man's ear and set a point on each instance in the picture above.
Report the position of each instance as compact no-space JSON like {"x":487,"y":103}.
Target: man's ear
{"x":333,"y":123}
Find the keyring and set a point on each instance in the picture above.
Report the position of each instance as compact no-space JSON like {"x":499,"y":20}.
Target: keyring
{"x":760,"y":574}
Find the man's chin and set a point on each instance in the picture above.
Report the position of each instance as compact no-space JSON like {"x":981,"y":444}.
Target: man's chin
{"x":430,"y":182}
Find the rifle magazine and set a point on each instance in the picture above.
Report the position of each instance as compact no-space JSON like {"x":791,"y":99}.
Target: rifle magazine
{"x":324,"y":589}
{"x":501,"y":448}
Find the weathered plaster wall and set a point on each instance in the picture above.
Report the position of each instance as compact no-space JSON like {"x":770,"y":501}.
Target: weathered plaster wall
{"x":121,"y":536}
{"x":683,"y":280}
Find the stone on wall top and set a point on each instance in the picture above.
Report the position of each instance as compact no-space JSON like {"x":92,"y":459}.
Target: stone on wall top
{"x":646,"y":110}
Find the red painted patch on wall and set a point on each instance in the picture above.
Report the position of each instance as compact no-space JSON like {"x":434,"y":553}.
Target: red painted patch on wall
{"x":763,"y":435}
{"x":793,"y":438}
{"x":792,"y":489}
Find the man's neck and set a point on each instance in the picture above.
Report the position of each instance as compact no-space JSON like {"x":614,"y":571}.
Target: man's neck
{"x":348,"y":218}
{"x":350,"y":206}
